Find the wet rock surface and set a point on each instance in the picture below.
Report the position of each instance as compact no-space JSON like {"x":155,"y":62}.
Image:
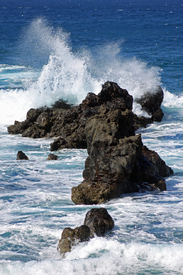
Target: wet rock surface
{"x":71,"y":237}
{"x":97,"y":222}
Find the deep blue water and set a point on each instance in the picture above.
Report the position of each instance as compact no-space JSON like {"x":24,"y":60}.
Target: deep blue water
{"x":65,"y":49}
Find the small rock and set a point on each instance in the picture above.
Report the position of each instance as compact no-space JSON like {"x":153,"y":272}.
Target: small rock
{"x":21,"y":156}
{"x":52,"y":157}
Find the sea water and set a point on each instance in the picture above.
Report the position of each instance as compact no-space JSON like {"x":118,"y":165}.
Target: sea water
{"x":65,"y":49}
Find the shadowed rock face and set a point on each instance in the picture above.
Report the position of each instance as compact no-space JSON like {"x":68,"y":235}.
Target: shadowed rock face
{"x":151,"y":102}
{"x":67,"y":123}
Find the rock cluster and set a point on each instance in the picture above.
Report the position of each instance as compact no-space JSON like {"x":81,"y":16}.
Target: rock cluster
{"x":117,"y":161}
{"x":68,"y":123}
{"x":97,"y":222}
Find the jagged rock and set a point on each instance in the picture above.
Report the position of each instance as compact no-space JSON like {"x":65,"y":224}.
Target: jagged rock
{"x":71,"y":237}
{"x":19,"y":127}
{"x":99,"y":221}
{"x":69,"y":124}
{"x":32,"y":114}
{"x":21,"y":156}
{"x":52,"y":157}
{"x":118,"y":162}
{"x":111,"y":92}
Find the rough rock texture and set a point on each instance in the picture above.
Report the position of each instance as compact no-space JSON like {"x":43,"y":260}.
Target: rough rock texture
{"x":67,"y":123}
{"x":21,"y":156}
{"x":118,"y":162}
{"x":104,"y":124}
{"x":97,"y":222}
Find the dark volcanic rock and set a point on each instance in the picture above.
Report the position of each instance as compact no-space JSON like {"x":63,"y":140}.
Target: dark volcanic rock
{"x":99,"y":221}
{"x":104,"y":124}
{"x":118,"y":162}
{"x":21,"y":156}
{"x":69,"y":123}
{"x":112,"y":92}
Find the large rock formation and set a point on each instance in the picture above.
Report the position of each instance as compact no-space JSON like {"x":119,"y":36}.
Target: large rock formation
{"x":67,"y":123}
{"x":105,"y":125}
{"x":118,"y":162}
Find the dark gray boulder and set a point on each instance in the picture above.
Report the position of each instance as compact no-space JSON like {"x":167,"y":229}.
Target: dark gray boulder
{"x":21,"y":156}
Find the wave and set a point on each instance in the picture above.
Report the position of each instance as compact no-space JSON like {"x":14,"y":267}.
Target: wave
{"x":67,"y":74}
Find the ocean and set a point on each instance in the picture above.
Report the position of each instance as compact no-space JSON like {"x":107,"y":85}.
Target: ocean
{"x":56,"y":49}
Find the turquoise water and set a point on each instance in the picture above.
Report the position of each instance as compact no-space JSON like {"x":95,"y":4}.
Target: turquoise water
{"x":65,"y":49}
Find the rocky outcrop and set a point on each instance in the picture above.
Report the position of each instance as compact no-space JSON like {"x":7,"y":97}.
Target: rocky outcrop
{"x":97,"y":222}
{"x":67,"y":123}
{"x":118,"y":162}
{"x":104,"y":124}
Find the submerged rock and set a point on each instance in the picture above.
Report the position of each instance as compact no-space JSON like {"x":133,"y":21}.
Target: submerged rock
{"x":21,"y":156}
{"x":52,"y":157}
{"x":97,"y":222}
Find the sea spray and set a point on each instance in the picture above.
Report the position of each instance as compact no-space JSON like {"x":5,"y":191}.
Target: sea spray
{"x":70,"y":75}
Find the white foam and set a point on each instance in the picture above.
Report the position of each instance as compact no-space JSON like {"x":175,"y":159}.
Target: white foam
{"x":69,"y":75}
{"x":172,"y":101}
{"x":105,"y":257}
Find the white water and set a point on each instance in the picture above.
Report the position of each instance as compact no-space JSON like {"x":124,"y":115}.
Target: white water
{"x":35,"y":196}
{"x":68,"y":75}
